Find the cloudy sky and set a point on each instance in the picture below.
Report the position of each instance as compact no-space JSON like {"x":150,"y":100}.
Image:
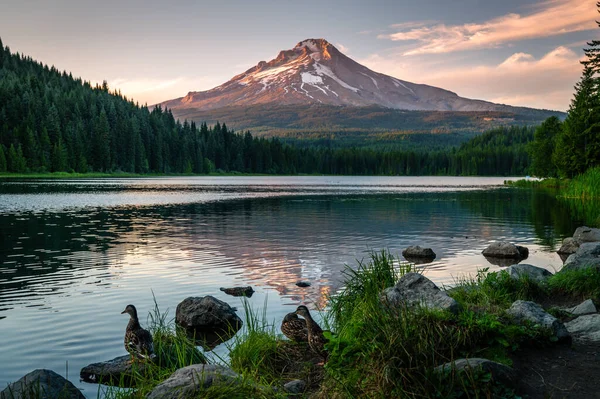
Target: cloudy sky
{"x":517,"y":52}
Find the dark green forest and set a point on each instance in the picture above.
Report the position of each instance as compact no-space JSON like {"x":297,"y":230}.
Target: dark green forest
{"x":53,"y":122}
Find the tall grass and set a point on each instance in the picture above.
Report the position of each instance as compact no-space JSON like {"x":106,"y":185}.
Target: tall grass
{"x":381,"y":352}
{"x":585,"y":186}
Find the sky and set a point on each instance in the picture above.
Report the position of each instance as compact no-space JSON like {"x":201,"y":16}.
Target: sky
{"x":523,"y":53}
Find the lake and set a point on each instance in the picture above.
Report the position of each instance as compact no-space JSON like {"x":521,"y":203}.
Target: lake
{"x":75,"y":252}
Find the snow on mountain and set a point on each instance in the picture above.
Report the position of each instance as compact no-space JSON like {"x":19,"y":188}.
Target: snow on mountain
{"x":314,"y":71}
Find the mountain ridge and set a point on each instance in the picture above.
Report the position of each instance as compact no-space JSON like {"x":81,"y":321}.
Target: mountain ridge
{"x":316,"y":72}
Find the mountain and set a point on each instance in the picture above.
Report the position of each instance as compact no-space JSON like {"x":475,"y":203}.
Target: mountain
{"x":315,"y":72}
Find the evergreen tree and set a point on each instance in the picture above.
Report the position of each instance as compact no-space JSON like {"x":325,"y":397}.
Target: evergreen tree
{"x":542,"y":146}
{"x":2,"y":157}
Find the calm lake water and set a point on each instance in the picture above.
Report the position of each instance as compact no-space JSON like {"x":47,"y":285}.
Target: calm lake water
{"x":74,"y":253}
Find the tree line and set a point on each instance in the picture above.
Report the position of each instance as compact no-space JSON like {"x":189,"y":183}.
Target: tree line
{"x":53,"y":122}
{"x":569,"y":148}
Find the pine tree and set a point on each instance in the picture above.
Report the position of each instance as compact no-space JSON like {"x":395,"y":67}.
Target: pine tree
{"x":2,"y":159}
{"x":542,"y":146}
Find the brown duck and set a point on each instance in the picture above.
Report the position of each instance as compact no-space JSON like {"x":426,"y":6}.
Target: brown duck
{"x":294,"y":328}
{"x":316,"y":339}
{"x":138,"y":342}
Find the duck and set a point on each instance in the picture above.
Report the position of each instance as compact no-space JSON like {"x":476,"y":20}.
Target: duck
{"x":294,"y":328}
{"x":138,"y":341}
{"x":316,"y":339}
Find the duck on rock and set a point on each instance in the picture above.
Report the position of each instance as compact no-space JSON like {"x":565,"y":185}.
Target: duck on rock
{"x":316,"y":339}
{"x":138,"y":342}
{"x":294,"y":328}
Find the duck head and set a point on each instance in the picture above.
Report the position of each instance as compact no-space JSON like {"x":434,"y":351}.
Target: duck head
{"x":303,"y":311}
{"x":131,"y":310}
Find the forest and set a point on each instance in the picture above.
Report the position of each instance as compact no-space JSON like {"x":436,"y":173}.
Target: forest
{"x":53,"y":122}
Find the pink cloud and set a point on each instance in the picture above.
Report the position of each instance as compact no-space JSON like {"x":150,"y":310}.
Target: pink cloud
{"x":550,"y":18}
{"x":520,"y":79}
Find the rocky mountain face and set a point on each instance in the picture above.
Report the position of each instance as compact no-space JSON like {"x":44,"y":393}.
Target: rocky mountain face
{"x":315,"y":72}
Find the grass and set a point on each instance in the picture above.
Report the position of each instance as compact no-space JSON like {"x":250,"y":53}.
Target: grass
{"x":585,"y":186}
{"x":551,"y":183}
{"x":379,"y":352}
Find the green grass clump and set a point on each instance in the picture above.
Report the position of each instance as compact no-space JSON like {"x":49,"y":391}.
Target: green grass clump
{"x":534,"y":183}
{"x":495,"y":291}
{"x":579,"y":283}
{"x":379,"y":351}
{"x":585,"y":186}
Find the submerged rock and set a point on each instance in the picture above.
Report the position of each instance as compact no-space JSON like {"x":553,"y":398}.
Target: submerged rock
{"x":201,"y":315}
{"x":569,"y":246}
{"x":499,"y":372}
{"x":503,"y":249}
{"x":585,"y":307}
{"x":418,"y":252}
{"x":534,"y":313}
{"x":586,"y":234}
{"x":587,"y":256}
{"x":190,"y":381}
{"x":534,"y":273}
{"x":585,"y":328}
{"x":238,"y":291}
{"x":414,"y":289}
{"x":41,"y":384}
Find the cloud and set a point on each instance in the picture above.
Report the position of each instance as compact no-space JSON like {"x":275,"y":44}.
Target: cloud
{"x":520,"y":79}
{"x":549,"y":18}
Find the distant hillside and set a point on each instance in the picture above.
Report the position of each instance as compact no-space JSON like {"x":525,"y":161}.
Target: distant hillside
{"x":371,"y":126}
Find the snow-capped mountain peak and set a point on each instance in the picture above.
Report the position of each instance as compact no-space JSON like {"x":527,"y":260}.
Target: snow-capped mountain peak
{"x":315,"y":72}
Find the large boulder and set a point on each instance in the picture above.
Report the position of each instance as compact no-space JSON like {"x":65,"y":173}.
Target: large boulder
{"x":207,"y":314}
{"x":586,"y":234}
{"x":503,"y":249}
{"x":569,"y":246}
{"x":585,"y":328}
{"x":499,"y":372}
{"x":534,"y":313}
{"x":41,"y":384}
{"x":534,"y":273}
{"x":414,"y":289}
{"x":587,"y":256}
{"x":418,"y":252}
{"x":190,"y":381}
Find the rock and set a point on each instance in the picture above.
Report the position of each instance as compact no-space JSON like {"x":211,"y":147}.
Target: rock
{"x":116,"y":372}
{"x":586,"y":234}
{"x":303,"y":284}
{"x":418,"y":252}
{"x":569,"y":246}
{"x":534,"y":273}
{"x":207,"y":314}
{"x":585,"y":328}
{"x":238,"y":291}
{"x":585,"y":307}
{"x":500,"y":373}
{"x":587,"y":256}
{"x":190,"y":381}
{"x":295,"y":387}
{"x":502,"y":249}
{"x":534,"y":313}
{"x":41,"y":384}
{"x":415,"y":289}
